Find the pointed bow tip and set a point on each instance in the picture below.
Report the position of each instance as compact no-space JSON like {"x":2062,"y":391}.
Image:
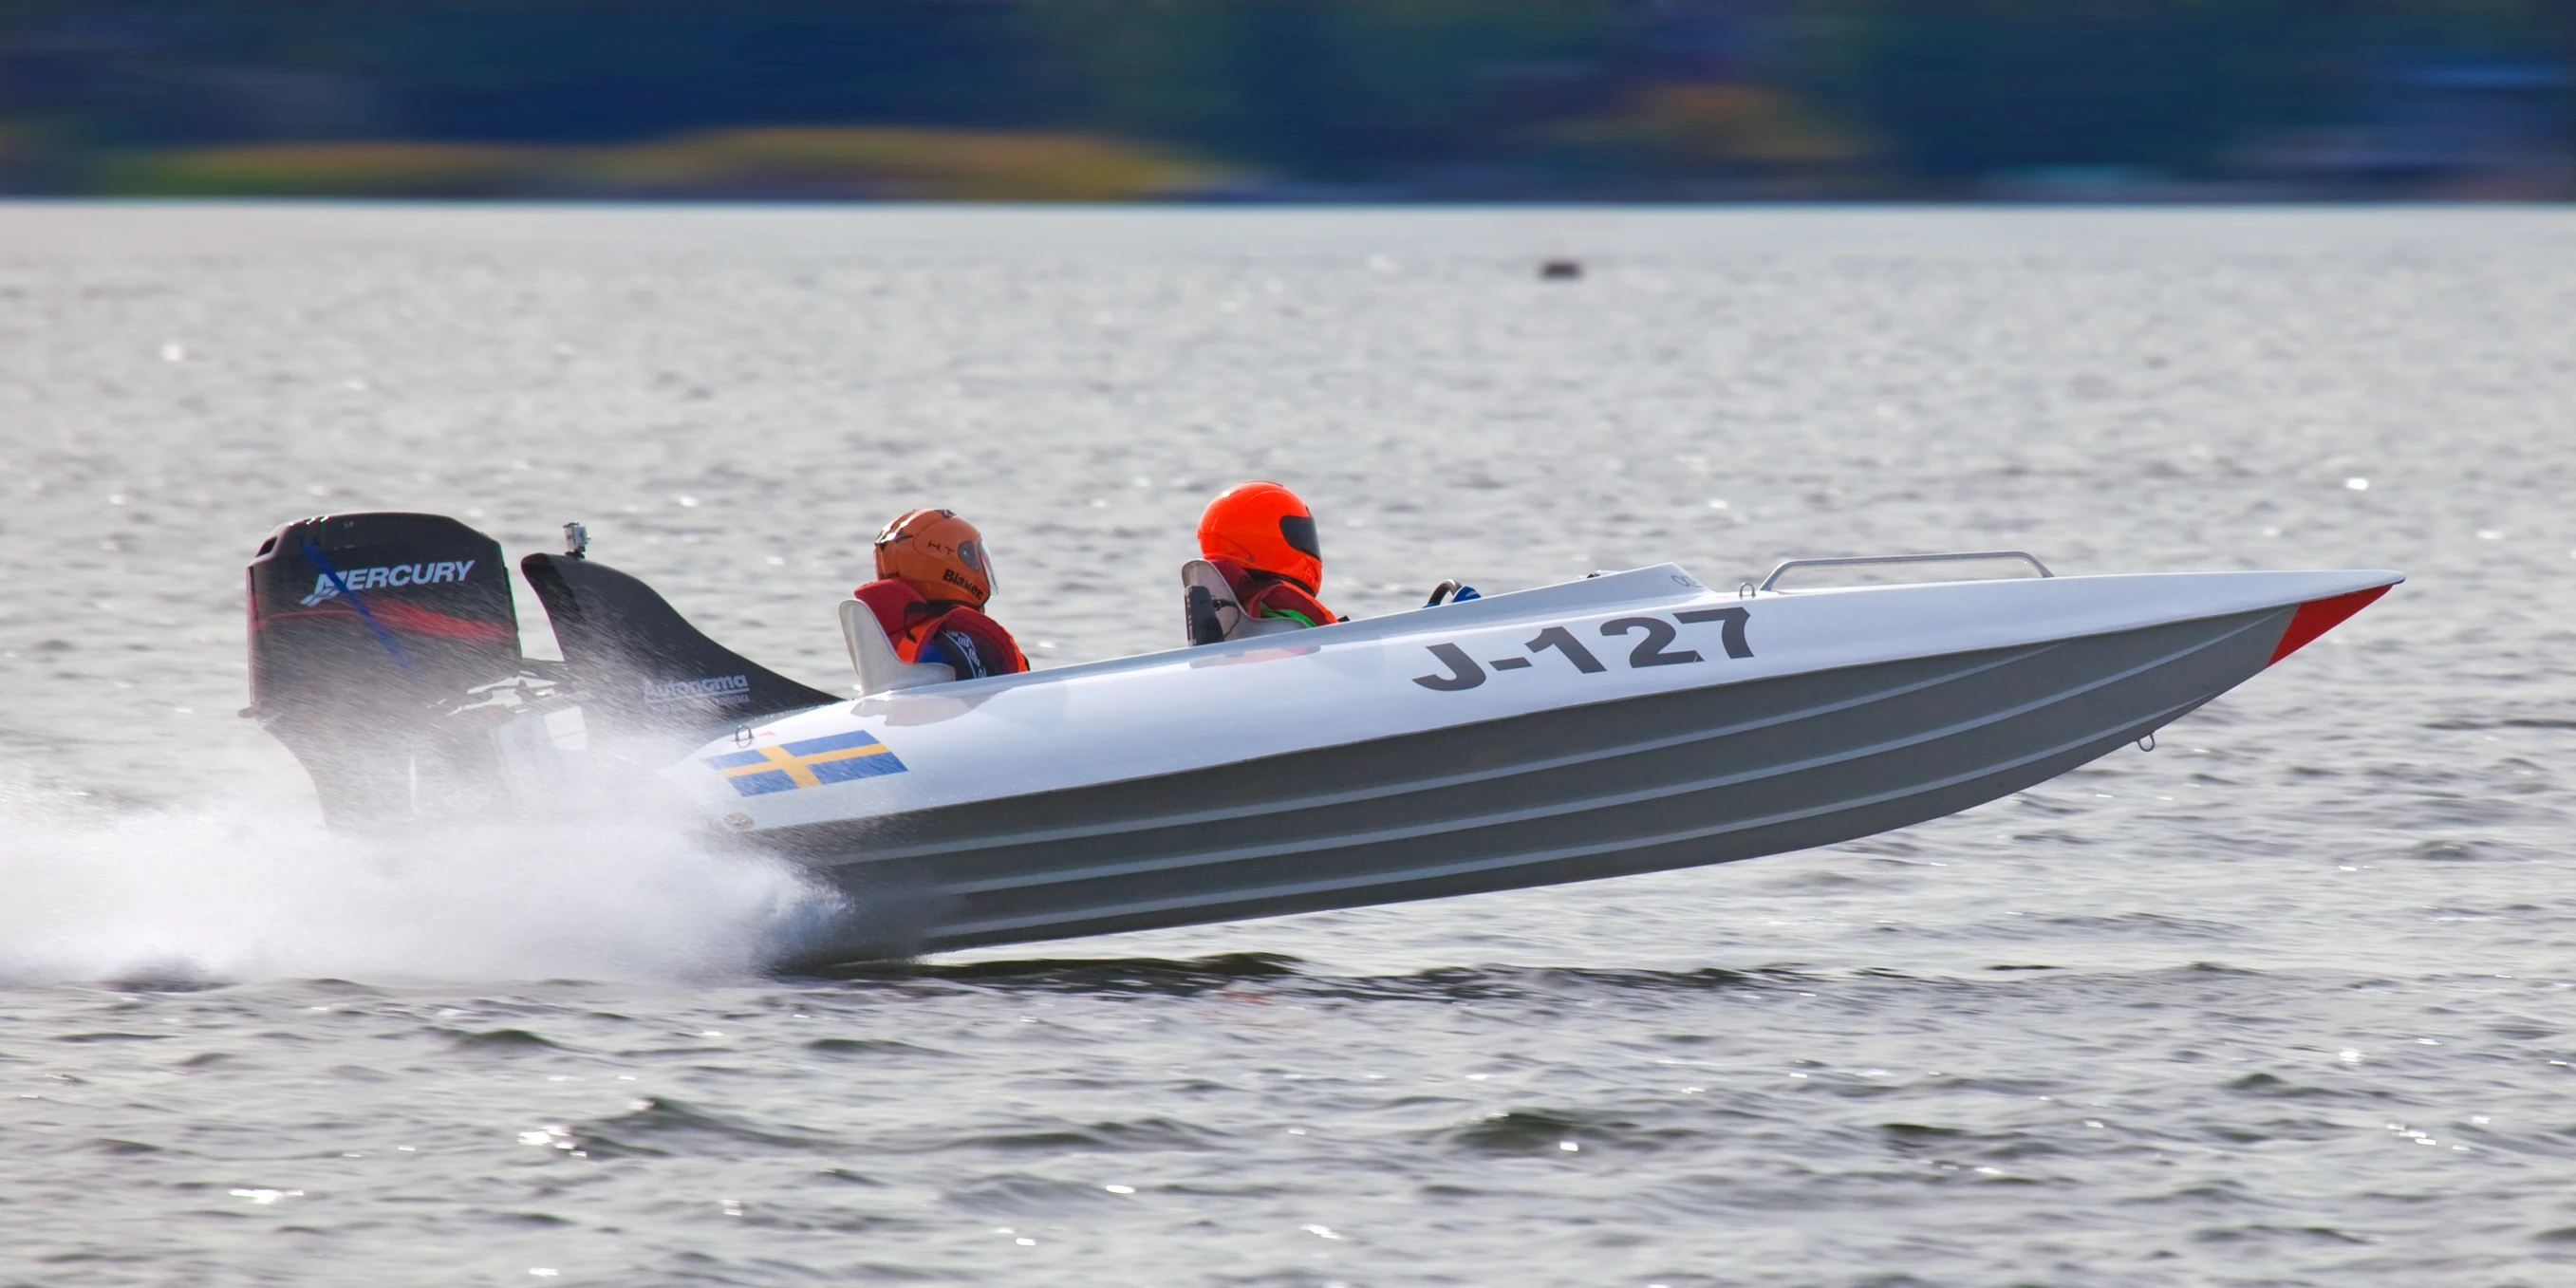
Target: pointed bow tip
{"x":2317,"y":616}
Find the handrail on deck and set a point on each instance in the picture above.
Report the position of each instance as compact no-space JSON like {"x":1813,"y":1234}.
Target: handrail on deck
{"x":1959,"y":557}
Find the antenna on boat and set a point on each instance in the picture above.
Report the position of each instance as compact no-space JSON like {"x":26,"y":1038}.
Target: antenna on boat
{"x":576,"y":540}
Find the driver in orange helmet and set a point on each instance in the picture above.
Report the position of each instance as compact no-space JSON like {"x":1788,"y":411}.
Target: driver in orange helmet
{"x":1262,"y":540}
{"x":933,"y":580}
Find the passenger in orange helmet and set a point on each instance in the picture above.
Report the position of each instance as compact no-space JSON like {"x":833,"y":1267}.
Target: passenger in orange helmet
{"x":1262,"y":539}
{"x":933,"y":580}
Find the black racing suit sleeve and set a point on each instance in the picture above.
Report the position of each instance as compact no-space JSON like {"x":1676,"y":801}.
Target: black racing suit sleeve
{"x":957,"y":652}
{"x":972,"y":646}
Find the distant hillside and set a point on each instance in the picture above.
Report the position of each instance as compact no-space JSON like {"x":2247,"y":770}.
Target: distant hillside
{"x":1127,"y":99}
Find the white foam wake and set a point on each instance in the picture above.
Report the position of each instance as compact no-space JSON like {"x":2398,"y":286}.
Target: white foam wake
{"x":253,"y":887}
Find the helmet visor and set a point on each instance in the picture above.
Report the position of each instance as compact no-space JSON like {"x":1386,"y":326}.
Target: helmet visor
{"x":971,"y":554}
{"x":1299,"y":531}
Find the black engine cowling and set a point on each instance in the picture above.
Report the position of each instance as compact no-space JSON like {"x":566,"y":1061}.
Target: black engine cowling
{"x":366,"y":631}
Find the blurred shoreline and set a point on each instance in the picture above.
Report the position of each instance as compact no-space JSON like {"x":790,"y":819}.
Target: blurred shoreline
{"x":811,"y":164}
{"x":1294,"y":101}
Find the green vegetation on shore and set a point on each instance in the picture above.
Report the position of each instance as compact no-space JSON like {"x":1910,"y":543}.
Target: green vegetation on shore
{"x":917,"y":164}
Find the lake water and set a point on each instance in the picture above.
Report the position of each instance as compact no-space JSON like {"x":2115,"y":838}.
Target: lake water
{"x":2291,"y":1000}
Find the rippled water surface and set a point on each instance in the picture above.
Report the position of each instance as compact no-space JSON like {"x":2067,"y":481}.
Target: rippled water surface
{"x":2287,"y":1001}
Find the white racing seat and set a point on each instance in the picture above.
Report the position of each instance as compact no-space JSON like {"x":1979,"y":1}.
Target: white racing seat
{"x":872,"y":655}
{"x":1209,"y":613}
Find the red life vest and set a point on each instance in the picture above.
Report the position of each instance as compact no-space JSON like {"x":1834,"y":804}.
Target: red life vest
{"x":911,"y":621}
{"x":1267,"y":594}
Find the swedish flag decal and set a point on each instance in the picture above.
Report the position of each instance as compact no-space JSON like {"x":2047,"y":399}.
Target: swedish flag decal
{"x":810,"y":763}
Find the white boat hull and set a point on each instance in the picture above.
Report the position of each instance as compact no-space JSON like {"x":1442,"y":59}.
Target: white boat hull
{"x":1630,"y":723}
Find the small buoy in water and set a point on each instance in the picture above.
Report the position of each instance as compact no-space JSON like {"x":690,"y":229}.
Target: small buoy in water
{"x":1560,"y":270}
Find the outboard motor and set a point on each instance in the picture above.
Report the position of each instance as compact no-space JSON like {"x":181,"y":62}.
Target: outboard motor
{"x":384,"y":653}
{"x":367,"y":632}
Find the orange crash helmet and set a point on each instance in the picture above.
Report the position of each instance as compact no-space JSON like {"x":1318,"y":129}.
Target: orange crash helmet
{"x":1267,"y":529}
{"x":938,"y":554}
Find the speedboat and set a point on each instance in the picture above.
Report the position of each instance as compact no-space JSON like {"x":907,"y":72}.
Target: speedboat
{"x":1627,"y":722}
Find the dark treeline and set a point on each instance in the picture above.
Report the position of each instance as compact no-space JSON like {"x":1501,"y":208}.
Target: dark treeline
{"x":1871,"y":95}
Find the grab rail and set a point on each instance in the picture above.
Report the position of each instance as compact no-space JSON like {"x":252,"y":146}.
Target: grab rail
{"x":1960,"y":557}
